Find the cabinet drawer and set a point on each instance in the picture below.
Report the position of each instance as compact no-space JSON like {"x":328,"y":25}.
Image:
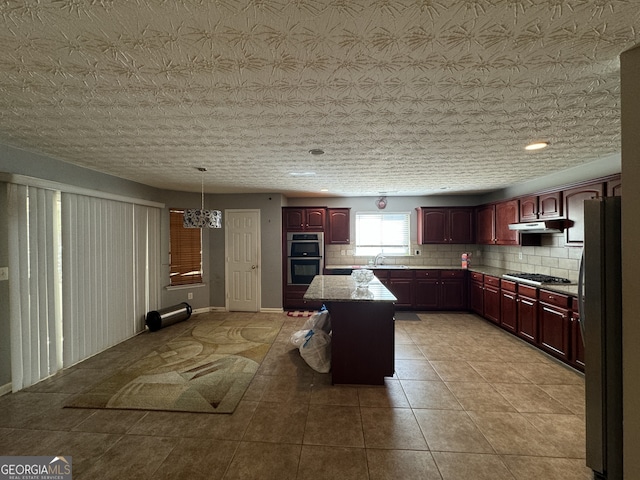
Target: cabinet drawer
{"x":508,"y":285}
{"x":527,"y":291}
{"x":476,"y":276}
{"x":452,"y":273}
{"x":493,"y":281}
{"x":552,"y":298}
{"x":401,"y":274}
{"x":427,"y":273}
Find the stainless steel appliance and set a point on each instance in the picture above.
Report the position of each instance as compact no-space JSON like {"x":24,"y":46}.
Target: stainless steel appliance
{"x":600,"y":300}
{"x":536,"y":279}
{"x":305,"y":257}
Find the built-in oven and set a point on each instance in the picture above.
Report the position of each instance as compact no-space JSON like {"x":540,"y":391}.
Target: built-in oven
{"x":305,"y":257}
{"x":305,"y":244}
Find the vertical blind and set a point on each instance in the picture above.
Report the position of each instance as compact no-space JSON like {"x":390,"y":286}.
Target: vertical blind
{"x":185,"y":249}
{"x":110,"y":272}
{"x":34,"y":284}
{"x":83,"y":273}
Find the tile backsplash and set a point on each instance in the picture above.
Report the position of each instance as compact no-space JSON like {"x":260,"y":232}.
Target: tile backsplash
{"x":551,"y":258}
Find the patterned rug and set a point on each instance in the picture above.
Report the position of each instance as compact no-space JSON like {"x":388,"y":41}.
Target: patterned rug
{"x":206,"y":369}
{"x":301,"y":313}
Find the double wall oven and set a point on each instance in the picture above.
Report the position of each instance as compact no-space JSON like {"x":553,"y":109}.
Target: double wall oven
{"x":305,"y":257}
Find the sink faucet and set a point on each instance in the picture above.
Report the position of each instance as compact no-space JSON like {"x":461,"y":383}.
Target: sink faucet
{"x":379,"y":257}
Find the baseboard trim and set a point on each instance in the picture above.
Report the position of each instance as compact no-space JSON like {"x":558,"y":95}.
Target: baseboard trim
{"x":4,"y":389}
{"x":271,"y":310}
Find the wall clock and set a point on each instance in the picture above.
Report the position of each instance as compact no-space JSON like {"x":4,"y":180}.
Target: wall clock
{"x":381,"y":203}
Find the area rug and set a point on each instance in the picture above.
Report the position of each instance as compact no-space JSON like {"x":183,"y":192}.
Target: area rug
{"x":207,"y":369}
{"x":407,"y":316}
{"x":300,"y":313}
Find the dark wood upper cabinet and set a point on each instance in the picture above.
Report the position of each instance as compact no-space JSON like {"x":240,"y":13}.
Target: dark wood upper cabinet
{"x":614,"y":187}
{"x":550,"y":205}
{"x":338,"y":226}
{"x":445,"y":225}
{"x":506,"y":213}
{"x":529,"y":208}
{"x":574,"y":210}
{"x":304,"y":219}
{"x":485,"y":224}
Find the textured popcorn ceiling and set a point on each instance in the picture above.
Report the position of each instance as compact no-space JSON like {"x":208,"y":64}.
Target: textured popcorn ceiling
{"x":405,"y":97}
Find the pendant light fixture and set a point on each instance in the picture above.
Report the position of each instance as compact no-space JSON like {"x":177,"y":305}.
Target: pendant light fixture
{"x":201,"y":218}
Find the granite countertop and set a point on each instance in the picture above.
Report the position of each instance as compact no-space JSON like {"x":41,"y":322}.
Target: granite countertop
{"x":342,"y":288}
{"x":567,"y":289}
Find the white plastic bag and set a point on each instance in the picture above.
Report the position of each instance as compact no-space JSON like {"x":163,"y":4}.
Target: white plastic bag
{"x":298,"y":338}
{"x":319,"y":321}
{"x":316,"y":351}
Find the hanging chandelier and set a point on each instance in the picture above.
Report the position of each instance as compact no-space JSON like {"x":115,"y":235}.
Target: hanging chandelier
{"x":201,"y":218}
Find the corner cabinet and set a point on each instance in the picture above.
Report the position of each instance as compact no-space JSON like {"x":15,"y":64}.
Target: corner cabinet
{"x":574,"y":210}
{"x":310,"y":219}
{"x":338,"y":226}
{"x":438,"y":225}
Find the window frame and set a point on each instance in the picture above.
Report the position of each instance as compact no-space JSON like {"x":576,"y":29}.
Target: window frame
{"x":387,"y":249}
{"x":186,"y":245}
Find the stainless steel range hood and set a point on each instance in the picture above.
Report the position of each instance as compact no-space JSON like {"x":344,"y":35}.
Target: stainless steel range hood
{"x":541,"y":226}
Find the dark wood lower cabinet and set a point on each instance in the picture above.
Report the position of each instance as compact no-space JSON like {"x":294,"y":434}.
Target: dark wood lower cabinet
{"x":427,"y":293}
{"x":509,"y":311}
{"x":476,"y":297}
{"x":528,"y":318}
{"x":554,"y":330}
{"x":491,"y":302}
{"x":453,"y":293}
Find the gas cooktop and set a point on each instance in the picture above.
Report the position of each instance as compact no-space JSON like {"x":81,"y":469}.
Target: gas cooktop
{"x":536,"y":278}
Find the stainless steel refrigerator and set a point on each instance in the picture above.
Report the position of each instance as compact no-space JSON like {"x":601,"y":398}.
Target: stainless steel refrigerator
{"x":600,"y":291}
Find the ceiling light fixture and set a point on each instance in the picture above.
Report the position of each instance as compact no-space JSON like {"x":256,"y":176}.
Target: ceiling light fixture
{"x":324,"y":189}
{"x":302,"y":174}
{"x":537,"y":146}
{"x":316,"y":151}
{"x":201,"y":218}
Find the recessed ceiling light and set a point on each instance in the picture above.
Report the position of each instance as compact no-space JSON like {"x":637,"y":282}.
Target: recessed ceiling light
{"x":302,"y":174}
{"x":537,"y":146}
{"x":324,"y":189}
{"x":316,"y":151}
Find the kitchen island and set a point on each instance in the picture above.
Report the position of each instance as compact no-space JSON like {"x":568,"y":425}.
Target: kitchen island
{"x":362,"y":320}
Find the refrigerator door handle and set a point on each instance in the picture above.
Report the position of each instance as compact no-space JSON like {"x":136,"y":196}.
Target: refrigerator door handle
{"x":581,"y":317}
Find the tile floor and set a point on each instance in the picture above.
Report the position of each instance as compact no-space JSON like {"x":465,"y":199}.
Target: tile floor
{"x":468,"y":401}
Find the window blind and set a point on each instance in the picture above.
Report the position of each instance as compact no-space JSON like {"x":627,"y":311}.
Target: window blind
{"x":34,"y":284}
{"x":386,"y":233}
{"x":185,"y":249}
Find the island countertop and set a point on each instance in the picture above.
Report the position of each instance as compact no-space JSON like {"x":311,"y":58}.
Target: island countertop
{"x":342,"y":288}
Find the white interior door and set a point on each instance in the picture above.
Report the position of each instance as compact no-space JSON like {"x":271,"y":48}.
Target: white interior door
{"x":242,"y":245}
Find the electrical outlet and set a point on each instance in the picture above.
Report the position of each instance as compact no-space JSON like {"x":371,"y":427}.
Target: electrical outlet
{"x":4,"y":273}
{"x":417,"y":252}
{"x":190,"y":296}
{"x":519,"y":255}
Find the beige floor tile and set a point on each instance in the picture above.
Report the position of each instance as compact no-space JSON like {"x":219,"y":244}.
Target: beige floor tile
{"x":537,"y":468}
{"x":331,"y":463}
{"x":391,"y":394}
{"x":451,"y":371}
{"x":480,"y":397}
{"x":429,"y":394}
{"x":207,"y":425}
{"x":266,"y":461}
{"x":193,"y":459}
{"x":408,"y":369}
{"x":451,"y":431}
{"x":277,"y":423}
{"x":134,"y":457}
{"x":392,"y":428}
{"x":511,"y":433}
{"x":404,"y":351}
{"x":334,"y":425}
{"x":498,"y":372}
{"x":570,"y":396}
{"x":463,"y":466}
{"x":567,"y":432}
{"x":323,"y":393}
{"x":441,"y":352}
{"x":529,"y":398}
{"x":110,"y":421}
{"x":549,"y":373}
{"x":401,"y":464}
{"x":283,"y":388}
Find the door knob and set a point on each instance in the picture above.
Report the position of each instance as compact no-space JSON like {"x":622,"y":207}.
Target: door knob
{"x":253,"y":267}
